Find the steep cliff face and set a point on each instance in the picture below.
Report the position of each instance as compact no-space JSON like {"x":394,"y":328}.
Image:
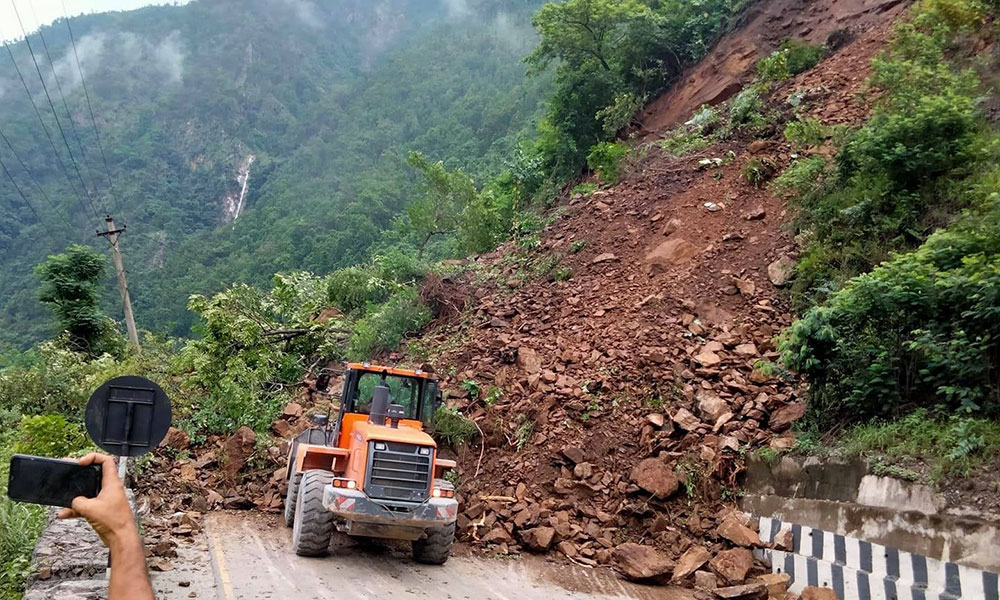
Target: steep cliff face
{"x":730,"y":64}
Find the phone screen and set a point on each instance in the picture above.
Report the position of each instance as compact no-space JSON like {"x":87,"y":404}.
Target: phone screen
{"x":51,"y":481}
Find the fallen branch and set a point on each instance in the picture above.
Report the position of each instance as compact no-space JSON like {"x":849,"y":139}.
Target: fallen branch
{"x":498,"y":499}
{"x":482,"y":447}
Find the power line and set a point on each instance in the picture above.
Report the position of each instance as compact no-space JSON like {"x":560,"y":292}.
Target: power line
{"x":69,"y":115}
{"x":38,"y":113}
{"x":90,"y":107}
{"x":25,"y":198}
{"x":55,"y":116}
{"x":55,"y":208}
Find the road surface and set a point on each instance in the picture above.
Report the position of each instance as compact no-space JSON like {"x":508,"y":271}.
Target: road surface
{"x":247,"y":555}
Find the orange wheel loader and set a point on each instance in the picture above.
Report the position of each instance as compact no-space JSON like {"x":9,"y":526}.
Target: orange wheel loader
{"x":375,"y":471}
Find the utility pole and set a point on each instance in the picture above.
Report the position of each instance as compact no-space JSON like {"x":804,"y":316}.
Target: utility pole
{"x":112,"y":235}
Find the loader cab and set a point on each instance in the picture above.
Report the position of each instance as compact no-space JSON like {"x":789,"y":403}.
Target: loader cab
{"x":414,"y":392}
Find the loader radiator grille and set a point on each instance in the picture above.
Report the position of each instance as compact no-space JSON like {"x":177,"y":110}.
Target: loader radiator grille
{"x":398,"y":471}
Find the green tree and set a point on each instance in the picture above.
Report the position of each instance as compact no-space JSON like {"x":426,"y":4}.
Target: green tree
{"x":584,"y":32}
{"x":70,"y":287}
{"x":439,"y":210}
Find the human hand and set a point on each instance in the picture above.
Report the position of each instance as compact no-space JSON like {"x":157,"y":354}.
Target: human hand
{"x":109,"y":513}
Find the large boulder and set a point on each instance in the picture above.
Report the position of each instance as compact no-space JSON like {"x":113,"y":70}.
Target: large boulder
{"x":673,"y":252}
{"x":732,"y":565}
{"x":781,"y":270}
{"x":690,"y":561}
{"x":777,"y":584}
{"x":736,"y":532}
{"x":237,"y":449}
{"x":538,"y":539}
{"x":656,"y":477}
{"x":638,"y":562}
{"x":812,"y":592}
{"x":783,"y":418}
{"x":685,"y":419}
{"x":711,"y":406}
{"x":176,"y":439}
{"x":749,"y":591}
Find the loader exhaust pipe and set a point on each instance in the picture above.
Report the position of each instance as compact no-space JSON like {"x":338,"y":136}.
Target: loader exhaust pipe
{"x":380,"y":405}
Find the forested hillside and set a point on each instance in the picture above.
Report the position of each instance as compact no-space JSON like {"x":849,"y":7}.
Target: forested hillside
{"x":327,"y":97}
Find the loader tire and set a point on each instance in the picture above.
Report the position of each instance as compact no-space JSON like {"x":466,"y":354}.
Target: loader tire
{"x":313,"y":524}
{"x":293,"y":493}
{"x":435,"y":547}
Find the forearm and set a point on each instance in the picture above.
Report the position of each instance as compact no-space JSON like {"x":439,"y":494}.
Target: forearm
{"x":129,"y":577}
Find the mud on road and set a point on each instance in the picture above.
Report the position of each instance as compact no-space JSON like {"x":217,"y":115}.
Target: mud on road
{"x":248,"y":555}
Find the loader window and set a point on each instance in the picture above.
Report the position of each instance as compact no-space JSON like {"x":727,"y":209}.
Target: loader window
{"x":404,"y":391}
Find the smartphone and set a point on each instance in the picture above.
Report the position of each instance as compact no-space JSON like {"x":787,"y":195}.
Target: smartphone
{"x":51,"y":481}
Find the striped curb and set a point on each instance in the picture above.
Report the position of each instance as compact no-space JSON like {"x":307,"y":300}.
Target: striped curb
{"x":861,"y":570}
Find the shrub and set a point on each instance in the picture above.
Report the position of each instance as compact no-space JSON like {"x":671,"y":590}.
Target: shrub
{"x":606,"y":159}
{"x":399,"y":266}
{"x":50,"y":435}
{"x":804,"y":176}
{"x":583,"y":189}
{"x":681,"y":142}
{"x":619,"y":114}
{"x":562,"y":274}
{"x":758,"y":170}
{"x":746,"y":109}
{"x":810,"y":132}
{"x":921,"y":330}
{"x":790,"y":59}
{"x":354,"y":288}
{"x":385,"y":326}
{"x":898,"y":177}
{"x":452,"y":426}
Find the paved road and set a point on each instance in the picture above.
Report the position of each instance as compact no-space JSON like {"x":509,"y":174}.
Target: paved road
{"x":250,"y":557}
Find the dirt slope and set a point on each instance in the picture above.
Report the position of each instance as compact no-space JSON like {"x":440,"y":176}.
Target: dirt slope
{"x":597,"y":393}
{"x":730,"y":64}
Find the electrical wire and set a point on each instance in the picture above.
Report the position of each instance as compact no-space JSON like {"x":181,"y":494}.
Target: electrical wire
{"x":25,"y":198}
{"x":52,"y":107}
{"x":41,"y":190}
{"x":90,"y":107}
{"x":38,"y":113}
{"x":62,"y":96}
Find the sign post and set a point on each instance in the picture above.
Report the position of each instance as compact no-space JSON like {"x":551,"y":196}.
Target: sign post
{"x":127,"y":416}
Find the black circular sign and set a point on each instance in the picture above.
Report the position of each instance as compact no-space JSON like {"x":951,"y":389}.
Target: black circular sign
{"x":128,"y":416}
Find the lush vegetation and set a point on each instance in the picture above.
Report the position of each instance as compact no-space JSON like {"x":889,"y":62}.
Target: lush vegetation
{"x":329,"y":101}
{"x":900,"y":277}
{"x":612,"y":55}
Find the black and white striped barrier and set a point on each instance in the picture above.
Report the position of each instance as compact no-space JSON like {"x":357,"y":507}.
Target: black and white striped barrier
{"x":860,"y":570}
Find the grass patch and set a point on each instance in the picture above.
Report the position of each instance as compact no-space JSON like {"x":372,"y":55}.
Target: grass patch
{"x":950,"y":446}
{"x":681,"y":142}
{"x":583,"y":189}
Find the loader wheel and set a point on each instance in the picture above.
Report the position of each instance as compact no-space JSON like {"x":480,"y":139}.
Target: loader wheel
{"x":293,"y":493}
{"x":313,"y":522}
{"x":435,"y":547}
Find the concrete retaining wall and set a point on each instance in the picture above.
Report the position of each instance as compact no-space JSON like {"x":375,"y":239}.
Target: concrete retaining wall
{"x":843,"y":498}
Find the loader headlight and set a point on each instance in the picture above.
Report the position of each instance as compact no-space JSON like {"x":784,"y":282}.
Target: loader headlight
{"x":380,"y":445}
{"x":425,"y":451}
